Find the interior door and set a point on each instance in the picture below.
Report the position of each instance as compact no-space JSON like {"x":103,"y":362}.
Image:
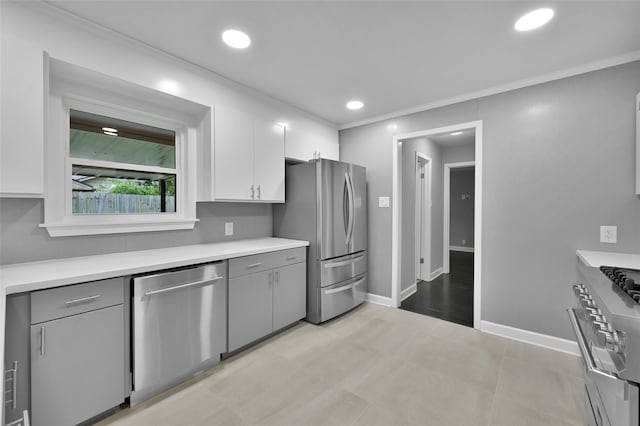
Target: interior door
{"x":359,"y":184}
{"x":333,"y":208}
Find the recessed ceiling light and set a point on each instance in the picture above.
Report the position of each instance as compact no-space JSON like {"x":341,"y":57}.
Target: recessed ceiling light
{"x":236,"y":39}
{"x":534,"y":19}
{"x":455,"y":133}
{"x":281,"y":124}
{"x":109,"y":129}
{"x":354,"y":104}
{"x":111,"y":133}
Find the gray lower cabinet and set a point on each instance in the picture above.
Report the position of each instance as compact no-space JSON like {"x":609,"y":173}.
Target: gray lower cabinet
{"x":268,"y":300}
{"x":289,"y":295}
{"x":78,"y":352}
{"x":250,"y":308}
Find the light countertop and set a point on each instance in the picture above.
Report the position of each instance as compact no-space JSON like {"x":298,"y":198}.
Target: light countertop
{"x":20,"y":277}
{"x":600,"y":258}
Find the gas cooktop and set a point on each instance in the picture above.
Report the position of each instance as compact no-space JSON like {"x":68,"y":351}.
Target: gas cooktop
{"x":627,"y":279}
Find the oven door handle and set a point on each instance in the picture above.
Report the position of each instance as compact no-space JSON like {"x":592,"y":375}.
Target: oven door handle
{"x":584,"y":350}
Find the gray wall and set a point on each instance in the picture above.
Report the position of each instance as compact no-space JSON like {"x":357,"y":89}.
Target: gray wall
{"x":461,"y":211}
{"x":21,"y":240}
{"x":558,"y":162}
{"x":457,"y":154}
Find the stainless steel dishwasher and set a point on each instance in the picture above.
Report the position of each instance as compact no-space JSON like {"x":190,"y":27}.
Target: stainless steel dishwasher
{"x":179,"y":326}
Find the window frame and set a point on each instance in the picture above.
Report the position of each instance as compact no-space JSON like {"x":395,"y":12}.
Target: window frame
{"x":59,"y":217}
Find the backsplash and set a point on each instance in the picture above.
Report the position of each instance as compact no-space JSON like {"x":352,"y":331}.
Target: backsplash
{"x":22,"y":240}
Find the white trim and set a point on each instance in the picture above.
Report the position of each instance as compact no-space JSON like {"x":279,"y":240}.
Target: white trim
{"x":396,"y":251}
{"x":379,"y":300}
{"x":531,"y":337}
{"x":518,"y":84}
{"x":21,"y":195}
{"x":74,"y":229}
{"x":409,"y":291}
{"x":446,"y":213}
{"x":461,"y":248}
{"x":435,"y":274}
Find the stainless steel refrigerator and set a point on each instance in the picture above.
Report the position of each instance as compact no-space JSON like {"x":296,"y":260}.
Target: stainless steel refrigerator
{"x":326,"y":204}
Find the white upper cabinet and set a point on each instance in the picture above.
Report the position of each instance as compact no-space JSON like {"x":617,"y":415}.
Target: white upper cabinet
{"x":302,"y":144}
{"x":232,"y":155}
{"x":22,"y":119}
{"x":246,"y":161}
{"x":268,"y":160}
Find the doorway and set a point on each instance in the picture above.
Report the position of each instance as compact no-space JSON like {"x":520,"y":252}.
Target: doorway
{"x":428,"y":260}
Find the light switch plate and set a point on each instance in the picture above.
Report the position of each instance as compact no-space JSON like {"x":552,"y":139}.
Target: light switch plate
{"x":228,"y":228}
{"x":383,"y":201}
{"x":609,"y":234}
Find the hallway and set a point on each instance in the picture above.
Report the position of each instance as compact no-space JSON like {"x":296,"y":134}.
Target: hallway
{"x":448,"y":297}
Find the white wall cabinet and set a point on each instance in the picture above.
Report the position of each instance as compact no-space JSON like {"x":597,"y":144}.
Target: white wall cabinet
{"x":22,"y":119}
{"x":245,"y":161}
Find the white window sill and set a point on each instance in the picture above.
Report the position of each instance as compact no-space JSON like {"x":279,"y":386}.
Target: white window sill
{"x":64,"y":229}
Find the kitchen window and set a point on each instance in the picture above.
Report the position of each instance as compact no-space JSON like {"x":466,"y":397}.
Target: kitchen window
{"x":120,"y":167}
{"x":120,"y":157}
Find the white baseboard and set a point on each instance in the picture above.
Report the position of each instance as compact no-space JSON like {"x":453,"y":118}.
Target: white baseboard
{"x":408,"y":291}
{"x":379,"y":300}
{"x":461,"y":248}
{"x":435,"y":274}
{"x":546,"y":341}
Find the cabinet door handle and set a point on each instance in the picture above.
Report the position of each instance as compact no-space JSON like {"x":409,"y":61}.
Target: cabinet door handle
{"x":258,"y":192}
{"x":291,"y":257}
{"x":41,"y":341}
{"x":254,"y":265}
{"x":270,"y":279}
{"x":252,"y":193}
{"x":83,"y":299}
{"x":277,"y":277}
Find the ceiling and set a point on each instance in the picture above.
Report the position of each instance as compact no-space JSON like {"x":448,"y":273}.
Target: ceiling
{"x":392,"y":55}
{"x":447,"y":139}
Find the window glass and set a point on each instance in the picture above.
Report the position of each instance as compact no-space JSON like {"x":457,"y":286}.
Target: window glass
{"x":98,"y":190}
{"x":97,"y":137}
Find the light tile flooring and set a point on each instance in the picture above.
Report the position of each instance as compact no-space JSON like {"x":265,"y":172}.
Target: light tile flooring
{"x":377,"y":366}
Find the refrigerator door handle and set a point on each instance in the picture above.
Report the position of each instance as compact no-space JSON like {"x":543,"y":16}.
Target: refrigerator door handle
{"x":351,"y":207}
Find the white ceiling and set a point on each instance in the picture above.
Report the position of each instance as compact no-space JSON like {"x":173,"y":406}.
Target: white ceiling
{"x":447,"y":139}
{"x":392,"y":55}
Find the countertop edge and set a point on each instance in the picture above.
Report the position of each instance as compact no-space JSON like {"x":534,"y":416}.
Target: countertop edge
{"x":595,"y":259}
{"x":226,"y":251}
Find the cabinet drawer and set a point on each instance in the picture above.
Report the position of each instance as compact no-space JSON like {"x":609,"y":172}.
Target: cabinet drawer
{"x":265,"y":261}
{"x":60,"y":302}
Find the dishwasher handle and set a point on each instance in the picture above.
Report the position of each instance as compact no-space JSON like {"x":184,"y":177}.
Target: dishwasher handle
{"x":178,"y":287}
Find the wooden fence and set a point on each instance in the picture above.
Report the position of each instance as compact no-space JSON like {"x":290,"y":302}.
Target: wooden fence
{"x":106,"y":203}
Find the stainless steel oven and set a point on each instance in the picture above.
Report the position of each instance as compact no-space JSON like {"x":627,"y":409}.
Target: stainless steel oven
{"x":606,"y":321}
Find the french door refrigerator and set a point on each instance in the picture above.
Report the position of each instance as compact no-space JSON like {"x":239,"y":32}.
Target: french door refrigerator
{"x":326,"y":204}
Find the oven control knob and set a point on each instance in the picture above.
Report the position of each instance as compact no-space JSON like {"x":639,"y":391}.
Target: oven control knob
{"x":586,"y":300}
{"x":591,"y":310}
{"x":598,"y":318}
{"x":578,"y":290}
{"x":605,"y":338}
{"x":600,"y":326}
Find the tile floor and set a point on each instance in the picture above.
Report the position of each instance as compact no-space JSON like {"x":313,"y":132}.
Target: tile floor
{"x":377,"y":366}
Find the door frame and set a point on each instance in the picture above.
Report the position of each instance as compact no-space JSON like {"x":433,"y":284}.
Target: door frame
{"x":422,"y":242}
{"x":447,"y":210}
{"x":396,"y":213}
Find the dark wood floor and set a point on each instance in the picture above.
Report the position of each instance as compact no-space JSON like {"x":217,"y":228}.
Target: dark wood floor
{"x":450,"y":296}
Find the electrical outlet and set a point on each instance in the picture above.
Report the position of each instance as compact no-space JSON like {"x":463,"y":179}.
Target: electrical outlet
{"x":228,"y":228}
{"x":464,"y":242}
{"x":383,"y":201}
{"x":609,"y":234}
